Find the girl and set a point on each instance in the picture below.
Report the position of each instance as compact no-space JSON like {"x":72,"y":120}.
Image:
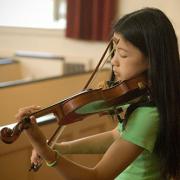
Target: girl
{"x":148,"y":145}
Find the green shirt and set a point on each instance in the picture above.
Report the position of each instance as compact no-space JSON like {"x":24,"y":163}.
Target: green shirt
{"x":142,"y":129}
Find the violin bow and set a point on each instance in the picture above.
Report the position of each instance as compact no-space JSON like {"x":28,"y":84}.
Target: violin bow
{"x":60,"y":129}
{"x":99,"y":63}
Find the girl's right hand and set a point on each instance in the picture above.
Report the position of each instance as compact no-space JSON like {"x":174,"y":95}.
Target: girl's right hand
{"x":35,"y":158}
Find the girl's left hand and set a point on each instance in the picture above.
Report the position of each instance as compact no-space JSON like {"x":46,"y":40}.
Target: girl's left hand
{"x":27,"y":111}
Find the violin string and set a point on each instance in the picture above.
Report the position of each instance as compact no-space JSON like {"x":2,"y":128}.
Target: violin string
{"x":106,"y":59}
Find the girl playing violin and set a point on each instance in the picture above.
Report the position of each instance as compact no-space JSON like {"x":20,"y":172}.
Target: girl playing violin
{"x":146,"y":146}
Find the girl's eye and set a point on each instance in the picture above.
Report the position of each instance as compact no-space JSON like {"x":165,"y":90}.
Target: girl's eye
{"x":123,"y":56}
{"x":115,"y":50}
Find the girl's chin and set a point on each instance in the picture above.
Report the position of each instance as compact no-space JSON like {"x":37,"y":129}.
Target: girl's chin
{"x":118,"y":79}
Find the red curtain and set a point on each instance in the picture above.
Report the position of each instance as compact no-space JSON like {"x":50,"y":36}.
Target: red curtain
{"x":90,"y":19}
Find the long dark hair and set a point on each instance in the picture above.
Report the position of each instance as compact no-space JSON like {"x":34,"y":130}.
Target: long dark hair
{"x":152,"y":33}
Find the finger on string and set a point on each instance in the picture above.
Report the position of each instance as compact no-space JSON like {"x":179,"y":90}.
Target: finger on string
{"x":26,"y":111}
{"x":33,"y":120}
{"x":29,"y":109}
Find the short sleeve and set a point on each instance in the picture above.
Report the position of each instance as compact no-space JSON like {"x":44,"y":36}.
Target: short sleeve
{"x":142,"y":127}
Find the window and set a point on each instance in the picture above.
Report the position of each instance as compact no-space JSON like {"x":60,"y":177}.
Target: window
{"x":50,"y":14}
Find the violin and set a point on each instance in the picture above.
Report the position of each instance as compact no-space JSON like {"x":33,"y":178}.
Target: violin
{"x":84,"y":104}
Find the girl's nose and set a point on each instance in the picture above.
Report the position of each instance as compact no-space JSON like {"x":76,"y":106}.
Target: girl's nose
{"x":114,"y":61}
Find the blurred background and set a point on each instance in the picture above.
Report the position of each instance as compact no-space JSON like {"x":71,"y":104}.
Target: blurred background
{"x":48,"y":50}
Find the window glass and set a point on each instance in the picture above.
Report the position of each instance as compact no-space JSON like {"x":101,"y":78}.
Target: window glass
{"x":33,"y":13}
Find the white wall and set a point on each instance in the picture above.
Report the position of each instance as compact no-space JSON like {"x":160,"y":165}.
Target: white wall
{"x":13,"y":39}
{"x":171,"y":9}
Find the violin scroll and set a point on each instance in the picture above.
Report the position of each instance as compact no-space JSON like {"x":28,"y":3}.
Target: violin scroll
{"x":9,"y":135}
